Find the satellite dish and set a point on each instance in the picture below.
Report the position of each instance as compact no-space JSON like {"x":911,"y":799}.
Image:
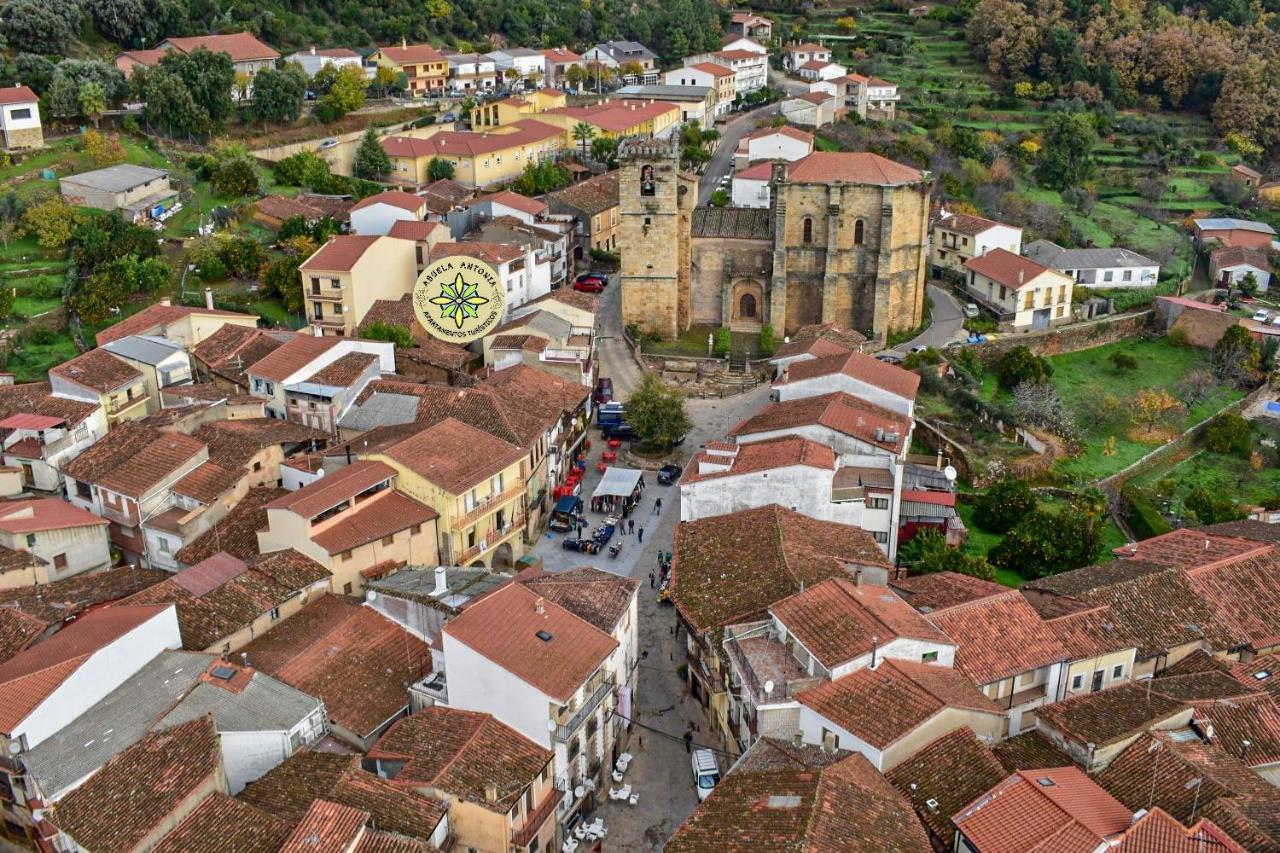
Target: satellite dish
{"x":578,"y":792}
{"x":768,"y":687}
{"x":950,"y":473}
{"x":15,"y":747}
{"x":370,"y":595}
{"x":552,"y":725}
{"x":319,"y":473}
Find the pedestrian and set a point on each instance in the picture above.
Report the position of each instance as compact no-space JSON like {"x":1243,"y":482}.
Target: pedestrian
{"x":650,"y":580}
{"x":641,"y":534}
{"x":657,"y":506}
{"x":632,"y":522}
{"x":688,"y":741}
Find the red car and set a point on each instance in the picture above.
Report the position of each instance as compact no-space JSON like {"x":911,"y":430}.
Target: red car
{"x":594,"y":276}
{"x":589,"y":285}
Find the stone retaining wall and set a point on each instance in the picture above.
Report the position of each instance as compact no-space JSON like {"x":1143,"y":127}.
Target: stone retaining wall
{"x":1066,"y":339}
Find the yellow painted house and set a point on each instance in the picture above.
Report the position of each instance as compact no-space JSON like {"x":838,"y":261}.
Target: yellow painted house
{"x":513,"y":109}
{"x":616,"y":119}
{"x":478,"y":159}
{"x":425,"y":68}
{"x":474,"y":481}
{"x":100,"y":378}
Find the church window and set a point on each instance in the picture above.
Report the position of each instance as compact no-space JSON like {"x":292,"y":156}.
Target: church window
{"x":808,"y":230}
{"x":857,"y":233}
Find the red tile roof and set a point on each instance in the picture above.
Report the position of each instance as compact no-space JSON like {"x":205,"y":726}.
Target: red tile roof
{"x":1091,"y":633}
{"x":35,"y":398}
{"x":786,"y":130}
{"x":561,"y":54}
{"x":962,"y":223}
{"x":461,"y":753}
{"x":838,"y":621}
{"x":395,"y":198}
{"x":31,"y":516}
{"x":453,"y":455}
{"x":884,"y":705}
{"x":154,"y":317}
{"x":65,"y":599}
{"x":757,"y":456}
{"x":1188,"y":548}
{"x":383,"y":515}
{"x":354,"y":659}
{"x":343,"y":372}
{"x":1105,"y":717}
{"x":208,"y":482}
{"x":30,"y":421}
{"x":825,"y":167}
{"x":18,"y":630}
{"x":236,"y":533}
{"x":856,"y":365}
{"x":18,"y":94}
{"x":944,"y":776}
{"x":601,"y":598}
{"x":340,"y":254}
{"x":837,"y":411}
{"x":97,"y":370}
{"x":138,"y":790}
{"x":1158,"y":832}
{"x":458,"y":143}
{"x":493,"y":253}
{"x":1006,"y":268}
{"x":132,"y":459}
{"x":713,"y":69}
{"x":241,"y":47}
{"x":1058,"y":808}
{"x":326,"y":828}
{"x":998,"y":637}
{"x":514,"y":200}
{"x":1246,"y":594}
{"x":296,"y":354}
{"x":505,"y":625}
{"x":731,"y":568}
{"x":412,"y":54}
{"x":413,"y":229}
{"x":820,"y":340}
{"x":617,"y":116}
{"x":939,"y":590}
{"x":222,"y":824}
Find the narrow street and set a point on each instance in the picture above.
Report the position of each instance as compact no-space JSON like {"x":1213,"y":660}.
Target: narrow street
{"x":947,"y":326}
{"x":663,"y":710}
{"x":721,"y":162}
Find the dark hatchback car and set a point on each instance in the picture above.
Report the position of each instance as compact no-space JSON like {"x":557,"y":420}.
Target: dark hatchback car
{"x":668,"y":474}
{"x":604,"y":391}
{"x":621,"y":431}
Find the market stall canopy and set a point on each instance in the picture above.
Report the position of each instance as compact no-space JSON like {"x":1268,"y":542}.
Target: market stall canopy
{"x":618,"y":483}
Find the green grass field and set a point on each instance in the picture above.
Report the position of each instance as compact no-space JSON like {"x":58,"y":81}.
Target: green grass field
{"x":31,"y":362}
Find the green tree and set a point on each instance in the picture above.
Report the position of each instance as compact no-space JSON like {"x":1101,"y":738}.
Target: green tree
{"x":347,"y":92}
{"x":719,"y":198}
{"x":278,"y":95}
{"x":1046,"y":543}
{"x":51,"y":222}
{"x":280,"y":276}
{"x":304,"y":169}
{"x":41,"y":26}
{"x":604,"y":149}
{"x":371,"y":159}
{"x":189,"y":94}
{"x":575,"y":76}
{"x":656,"y":411}
{"x":1020,"y":365}
{"x":927,"y":552}
{"x":1248,"y":285}
{"x":235,"y":177}
{"x":539,"y":178}
{"x":102,"y":150}
{"x":71,"y":76}
{"x":379,"y":330}
{"x":153,"y":275}
{"x":1236,"y":357}
{"x":583,"y":133}
{"x":92,"y":101}
{"x":439,"y":170}
{"x":1067,"y":160}
{"x":1229,"y":433}
{"x":1211,"y":508}
{"x":1005,"y":504}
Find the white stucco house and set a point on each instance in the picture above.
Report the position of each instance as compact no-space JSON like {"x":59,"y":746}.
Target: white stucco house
{"x":957,"y":237}
{"x":773,"y":143}
{"x":374,"y":216}
{"x":20,"y":118}
{"x":751,"y":186}
{"x":869,"y":379}
{"x":525,"y":273}
{"x":1103,"y":268}
{"x":1025,"y":295}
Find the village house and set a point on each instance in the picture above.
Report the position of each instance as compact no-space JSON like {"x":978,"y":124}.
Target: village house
{"x":748,"y":61}
{"x":795,"y":55}
{"x":524,"y":275}
{"x":20,"y":118}
{"x":871,"y":98}
{"x":497,"y":782}
{"x":817,"y":340}
{"x":43,"y":432}
{"x":519,"y":67}
{"x":617,"y":119}
{"x":1023,"y":294}
{"x":514,"y":108}
{"x":184,"y":324}
{"x":812,"y":109}
{"x":101,"y":379}
{"x":1105,"y":268}
{"x":354,"y":523}
{"x":617,"y":54}
{"x":274,"y":210}
{"x":1102,"y":654}
{"x":958,"y":237}
{"x":886,"y":386}
{"x":225,"y":356}
{"x":548,"y":240}
{"x":136,"y":193}
{"x":593,"y":204}
{"x":558,"y":61}
{"x":374,"y":215}
{"x":313,"y":59}
{"x":293,"y":382}
{"x":1234,"y":232}
{"x":1093,"y":728}
{"x":718,"y":78}
{"x":248,"y":56}
{"x":162,"y":362}
{"x":47,"y":539}
{"x":773,"y":143}
{"x":347,"y":274}
{"x":1229,"y":266}
{"x":429,"y":359}
{"x":478,"y":158}
{"x":424,"y":66}
{"x":751,"y":26}
{"x":472,"y":72}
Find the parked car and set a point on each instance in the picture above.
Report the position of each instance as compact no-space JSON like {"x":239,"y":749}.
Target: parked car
{"x":448,"y":117}
{"x":975,"y":338}
{"x":622,"y":431}
{"x":1261,"y":316}
{"x":595,"y":276}
{"x":588,"y":286}
{"x":888,"y":358}
{"x":609,"y":414}
{"x":328,"y":143}
{"x":971,"y":310}
{"x":668,"y":474}
{"x":604,"y":391}
{"x":919,"y":348}
{"x":706,"y":773}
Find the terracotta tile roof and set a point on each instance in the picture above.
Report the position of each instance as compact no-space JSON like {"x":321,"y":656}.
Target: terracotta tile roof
{"x":815,"y":97}
{"x":54,"y":602}
{"x":617,"y":116}
{"x":34,"y":398}
{"x":1157,"y":830}
{"x":591,"y":196}
{"x":222,"y":824}
{"x":97,"y":370}
{"x":506,"y":625}
{"x":836,"y":411}
{"x":807,"y":47}
{"x":786,"y":130}
{"x":230,"y":351}
{"x":1247,"y":727}
{"x":395,"y":198}
{"x":758,"y":172}
{"x":237,"y":532}
{"x":1004,"y":267}
{"x":18,"y":629}
{"x":383,"y":515}
{"x":820,"y":340}
{"x":376,"y":841}
{"x":39,"y":514}
{"x":1030,"y":751}
{"x":1205,"y":685}
{"x":31,"y":676}
{"x":492,"y":253}
{"x":296,"y":354}
{"x":154,"y":317}
{"x":1091,"y":633}
{"x":756,"y":456}
{"x":453,"y":455}
{"x":944,"y":776}
{"x":998,"y":636}
{"x":514,"y":200}
{"x":940,"y":590}
{"x":444,"y":195}
{"x":856,"y":365}
{"x":138,"y":790}
{"x":732,"y":223}
{"x":413,"y":229}
{"x":561,"y":54}
{"x":826,"y":167}
{"x":536,"y":391}
{"x":531,"y":343}
{"x":222,"y":595}
{"x":285,"y":207}
{"x":1246,"y":594}
{"x":738,"y":54}
{"x":340,"y":254}
{"x":1058,"y":808}
{"x":1228,"y":792}
{"x":357,"y":661}
{"x":343,"y":372}
{"x":289,"y":790}
{"x":588,"y":302}
{"x":132,"y":459}
{"x":412,"y":54}
{"x":460,"y":753}
{"x":730,"y":568}
{"x":208,"y":482}
{"x":459,"y":143}
{"x":599,"y":597}
{"x":713,"y":69}
{"x":265,"y":432}
{"x":17,"y":94}
{"x":241,"y":47}
{"x":1188,"y":548}
{"x":1258,"y":531}
{"x":838,"y":621}
{"x":962,"y":223}
{"x":845,"y":806}
{"x":326,"y":828}
{"x":1104,"y":717}
{"x":1231,"y":256}
{"x":884,"y":705}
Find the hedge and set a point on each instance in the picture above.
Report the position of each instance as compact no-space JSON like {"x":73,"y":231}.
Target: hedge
{"x":1143,"y":517}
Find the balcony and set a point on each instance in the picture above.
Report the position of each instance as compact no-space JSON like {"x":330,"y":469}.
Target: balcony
{"x":331,"y":321}
{"x":116,"y":408}
{"x":565,"y":729}
{"x":328,"y":294}
{"x":490,"y":541}
{"x":1024,"y":697}
{"x":757,"y":658}
{"x":487,"y":506}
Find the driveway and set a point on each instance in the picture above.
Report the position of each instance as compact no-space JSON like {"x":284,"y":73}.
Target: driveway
{"x":721,"y":162}
{"x":947,"y":326}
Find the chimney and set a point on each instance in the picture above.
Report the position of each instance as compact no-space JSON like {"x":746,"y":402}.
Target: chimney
{"x":313,"y":50}
{"x":442,"y":585}
{"x":857,"y":576}
{"x":403,"y":44}
{"x":1020,"y":276}
{"x":538,"y":606}
{"x":797,"y":739}
{"x":490,"y":792}
{"x":166,"y":302}
{"x":208,"y":298}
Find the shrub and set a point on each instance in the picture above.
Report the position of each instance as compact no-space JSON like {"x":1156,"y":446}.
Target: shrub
{"x":1020,"y":365}
{"x":1004,"y":505}
{"x":767,"y":342}
{"x":42,"y":336}
{"x":1143,"y":517}
{"x":1228,"y":433}
{"x":722,"y":342}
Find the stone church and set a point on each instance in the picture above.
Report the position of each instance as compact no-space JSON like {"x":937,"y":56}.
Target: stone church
{"x":843,"y":241}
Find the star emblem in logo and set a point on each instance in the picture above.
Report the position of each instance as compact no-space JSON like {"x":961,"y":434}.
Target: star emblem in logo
{"x":458,"y":301}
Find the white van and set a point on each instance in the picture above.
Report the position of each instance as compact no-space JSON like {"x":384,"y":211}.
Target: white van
{"x":706,"y":773}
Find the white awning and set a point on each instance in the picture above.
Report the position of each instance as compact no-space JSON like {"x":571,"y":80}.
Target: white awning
{"x":618,"y":483}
